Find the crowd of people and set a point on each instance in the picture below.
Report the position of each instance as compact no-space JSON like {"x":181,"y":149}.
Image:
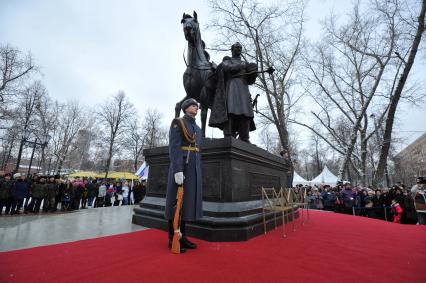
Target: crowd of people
{"x":52,"y":193}
{"x":398,"y":204}
{"x":18,"y":194}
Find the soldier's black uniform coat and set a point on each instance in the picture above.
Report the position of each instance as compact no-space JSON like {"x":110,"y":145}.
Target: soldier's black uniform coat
{"x":193,"y":197}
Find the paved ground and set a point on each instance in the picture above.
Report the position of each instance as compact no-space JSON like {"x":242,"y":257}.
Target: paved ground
{"x":26,"y":231}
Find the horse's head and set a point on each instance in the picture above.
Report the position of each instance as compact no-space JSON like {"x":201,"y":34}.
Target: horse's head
{"x":190,"y":27}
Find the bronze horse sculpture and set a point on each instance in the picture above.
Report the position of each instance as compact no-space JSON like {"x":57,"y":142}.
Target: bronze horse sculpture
{"x":199,"y":76}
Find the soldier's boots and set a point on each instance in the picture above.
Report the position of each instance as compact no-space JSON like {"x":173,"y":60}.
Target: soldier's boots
{"x":184,"y":241}
{"x":184,"y":244}
{"x":187,"y":244}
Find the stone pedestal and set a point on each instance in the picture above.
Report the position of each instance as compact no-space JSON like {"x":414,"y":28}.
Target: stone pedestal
{"x":233,"y":174}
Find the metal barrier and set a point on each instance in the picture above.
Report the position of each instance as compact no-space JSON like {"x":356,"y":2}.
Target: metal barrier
{"x":374,"y":207}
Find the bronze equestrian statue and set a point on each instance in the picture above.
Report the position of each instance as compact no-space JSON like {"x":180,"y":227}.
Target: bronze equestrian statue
{"x":199,"y":77}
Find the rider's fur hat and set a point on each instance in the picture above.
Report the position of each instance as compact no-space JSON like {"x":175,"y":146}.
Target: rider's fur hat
{"x":236,"y":44}
{"x":188,"y":102}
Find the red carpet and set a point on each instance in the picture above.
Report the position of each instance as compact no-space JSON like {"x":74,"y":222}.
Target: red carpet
{"x":330,"y":248}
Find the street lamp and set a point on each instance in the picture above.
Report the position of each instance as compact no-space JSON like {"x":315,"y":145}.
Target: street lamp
{"x":44,"y":141}
{"x":24,"y":138}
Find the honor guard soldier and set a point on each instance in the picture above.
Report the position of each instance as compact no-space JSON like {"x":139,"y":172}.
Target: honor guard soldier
{"x":185,"y":168}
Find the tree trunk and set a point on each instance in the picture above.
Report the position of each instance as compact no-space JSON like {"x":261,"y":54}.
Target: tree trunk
{"x":7,"y":157}
{"x":135,"y":166}
{"x":42,"y":160}
{"x":363,"y":166}
{"x":387,"y":136}
{"x":109,"y":158}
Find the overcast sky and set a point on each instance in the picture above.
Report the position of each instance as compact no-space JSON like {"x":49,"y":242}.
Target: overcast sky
{"x":90,"y":49}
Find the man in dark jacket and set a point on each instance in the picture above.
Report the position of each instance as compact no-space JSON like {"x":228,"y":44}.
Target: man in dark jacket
{"x":92,"y":187}
{"x":379,"y":205}
{"x":38,"y":193}
{"x":348,"y":195}
{"x":18,"y":191}
{"x":185,"y":168}
{"x":329,"y":198}
{"x":5,"y":186}
{"x":51,"y":193}
{"x":78,"y":189}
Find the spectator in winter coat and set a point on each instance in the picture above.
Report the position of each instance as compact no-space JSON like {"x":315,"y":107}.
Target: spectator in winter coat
{"x":51,"y":193}
{"x":91,"y":188}
{"x":317,"y":199}
{"x":138,"y":191}
{"x":396,"y":211}
{"x":418,"y":192}
{"x":109,"y":197}
{"x":329,"y":198}
{"x":125,"y":193}
{"x":348,"y":196}
{"x":5,"y":199}
{"x":378,"y":204}
{"x":310,"y":198}
{"x":360,"y":203}
{"x":19,"y":191}
{"x":118,"y":193}
{"x":78,"y":188}
{"x":409,"y":214}
{"x":37,"y":194}
{"x":370,"y":212}
{"x":67,"y":196}
{"x":100,"y":199}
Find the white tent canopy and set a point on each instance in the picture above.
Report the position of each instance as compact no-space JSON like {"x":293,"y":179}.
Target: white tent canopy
{"x":325,"y":178}
{"x":297,"y":179}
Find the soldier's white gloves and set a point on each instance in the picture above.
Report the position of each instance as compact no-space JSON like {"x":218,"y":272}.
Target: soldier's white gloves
{"x":179,"y":178}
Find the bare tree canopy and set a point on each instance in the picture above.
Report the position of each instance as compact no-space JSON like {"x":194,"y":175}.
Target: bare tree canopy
{"x":396,"y":95}
{"x":272,"y":36}
{"x":115,"y":116}
{"x":352,"y":77}
{"x":14,"y":67}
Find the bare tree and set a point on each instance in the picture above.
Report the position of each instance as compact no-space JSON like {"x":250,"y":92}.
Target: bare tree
{"x":269,"y":140}
{"x":397,"y":94}
{"x":80,"y":148}
{"x":14,"y":67}
{"x":8,"y":142}
{"x":135,"y":141}
{"x":352,"y":72}
{"x":115,"y":116}
{"x":47,"y":118}
{"x":272,"y":36}
{"x":25,"y":114}
{"x":156,"y":134}
{"x":317,"y":155}
{"x":70,"y":121}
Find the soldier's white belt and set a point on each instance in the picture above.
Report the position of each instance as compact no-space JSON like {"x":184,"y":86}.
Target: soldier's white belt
{"x":186,"y":148}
